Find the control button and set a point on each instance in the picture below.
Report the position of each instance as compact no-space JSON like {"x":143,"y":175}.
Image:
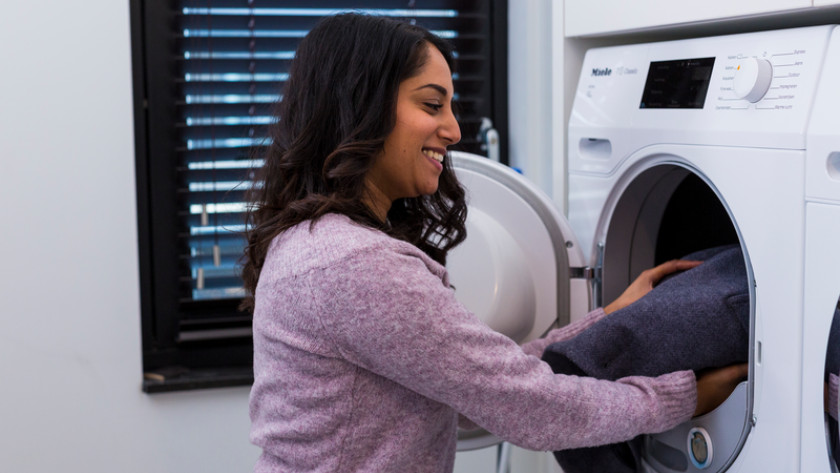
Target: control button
{"x":700,"y":447}
{"x":752,"y":79}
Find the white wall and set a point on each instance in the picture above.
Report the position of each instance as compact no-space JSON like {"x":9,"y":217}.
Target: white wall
{"x":70,"y":355}
{"x":530,"y":89}
{"x":536,"y":146}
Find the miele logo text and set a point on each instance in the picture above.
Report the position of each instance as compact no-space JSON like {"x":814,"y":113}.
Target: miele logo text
{"x":601,"y":72}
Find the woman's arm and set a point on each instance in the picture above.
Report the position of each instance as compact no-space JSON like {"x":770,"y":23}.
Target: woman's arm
{"x":400,"y":320}
{"x":641,"y":286}
{"x":538,"y":346}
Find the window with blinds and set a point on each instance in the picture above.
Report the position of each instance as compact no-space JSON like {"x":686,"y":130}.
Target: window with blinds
{"x":207,"y":73}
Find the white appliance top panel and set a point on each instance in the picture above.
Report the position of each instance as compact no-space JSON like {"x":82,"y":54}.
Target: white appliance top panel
{"x":754,"y":89}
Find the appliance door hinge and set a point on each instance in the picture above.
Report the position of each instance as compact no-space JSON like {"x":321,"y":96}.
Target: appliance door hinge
{"x":586,"y":272}
{"x":593,"y":275}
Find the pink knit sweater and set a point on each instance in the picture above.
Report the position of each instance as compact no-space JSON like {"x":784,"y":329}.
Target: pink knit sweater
{"x":363,"y":359}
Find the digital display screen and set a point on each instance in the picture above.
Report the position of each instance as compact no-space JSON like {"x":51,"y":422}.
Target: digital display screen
{"x":677,"y":84}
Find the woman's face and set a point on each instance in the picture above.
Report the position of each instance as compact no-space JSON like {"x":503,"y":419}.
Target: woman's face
{"x":413,"y":154}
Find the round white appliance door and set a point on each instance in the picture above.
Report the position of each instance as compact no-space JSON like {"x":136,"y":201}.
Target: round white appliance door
{"x":512,"y":271}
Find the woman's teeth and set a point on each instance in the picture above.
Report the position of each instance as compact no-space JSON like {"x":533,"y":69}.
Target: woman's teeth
{"x":434,"y":155}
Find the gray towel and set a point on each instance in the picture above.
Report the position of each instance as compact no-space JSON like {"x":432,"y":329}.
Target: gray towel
{"x":693,"y":320}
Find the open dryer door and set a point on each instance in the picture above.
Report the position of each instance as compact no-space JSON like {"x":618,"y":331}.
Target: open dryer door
{"x":512,"y":271}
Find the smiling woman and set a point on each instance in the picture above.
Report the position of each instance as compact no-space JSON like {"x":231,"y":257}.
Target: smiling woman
{"x":364,"y":360}
{"x":364,"y":154}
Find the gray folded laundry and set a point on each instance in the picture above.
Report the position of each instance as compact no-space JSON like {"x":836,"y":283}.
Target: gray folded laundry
{"x":693,"y":320}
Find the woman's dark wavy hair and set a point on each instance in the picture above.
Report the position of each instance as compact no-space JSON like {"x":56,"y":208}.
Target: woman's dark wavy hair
{"x":338,"y":106}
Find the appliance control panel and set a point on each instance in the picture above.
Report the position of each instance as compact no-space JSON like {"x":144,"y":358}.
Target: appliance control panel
{"x":769,"y":82}
{"x":751,"y":89}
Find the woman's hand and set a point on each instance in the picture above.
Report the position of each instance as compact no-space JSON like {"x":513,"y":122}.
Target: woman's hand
{"x":714,"y":386}
{"x":645,"y":282}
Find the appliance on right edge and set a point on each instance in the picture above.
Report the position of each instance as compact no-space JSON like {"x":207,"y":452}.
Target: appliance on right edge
{"x":733,"y":140}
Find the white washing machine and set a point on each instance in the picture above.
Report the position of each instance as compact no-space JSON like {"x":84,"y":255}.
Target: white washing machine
{"x":822,"y":259}
{"x":743,"y":114}
{"x":674,"y":147}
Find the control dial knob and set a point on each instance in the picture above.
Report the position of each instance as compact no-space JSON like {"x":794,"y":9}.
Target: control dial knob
{"x":752,"y":79}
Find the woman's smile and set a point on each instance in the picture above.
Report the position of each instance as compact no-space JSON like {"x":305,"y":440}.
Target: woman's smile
{"x":436,"y":155}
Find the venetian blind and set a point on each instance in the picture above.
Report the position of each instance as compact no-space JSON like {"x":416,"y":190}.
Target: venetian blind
{"x":214,"y":69}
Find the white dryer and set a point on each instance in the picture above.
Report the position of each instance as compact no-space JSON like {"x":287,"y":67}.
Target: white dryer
{"x":674,"y":147}
{"x":733,"y":113}
{"x":822,"y":262}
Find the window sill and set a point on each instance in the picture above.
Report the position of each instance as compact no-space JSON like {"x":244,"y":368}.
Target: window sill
{"x":182,"y":379}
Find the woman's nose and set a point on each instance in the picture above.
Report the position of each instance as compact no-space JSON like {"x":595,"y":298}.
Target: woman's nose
{"x":450,"y":130}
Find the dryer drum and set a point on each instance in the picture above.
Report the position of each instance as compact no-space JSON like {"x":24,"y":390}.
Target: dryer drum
{"x":667,"y":212}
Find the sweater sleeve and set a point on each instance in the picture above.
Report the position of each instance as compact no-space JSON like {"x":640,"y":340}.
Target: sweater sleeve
{"x":392,"y":315}
{"x":536,"y":347}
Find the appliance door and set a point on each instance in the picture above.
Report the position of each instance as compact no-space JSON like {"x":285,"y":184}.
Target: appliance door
{"x":513,"y":269}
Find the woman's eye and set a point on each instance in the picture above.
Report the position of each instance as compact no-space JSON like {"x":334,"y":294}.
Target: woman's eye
{"x":434,"y":106}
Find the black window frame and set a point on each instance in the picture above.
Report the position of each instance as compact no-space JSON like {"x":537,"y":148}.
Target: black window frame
{"x":183,"y":357}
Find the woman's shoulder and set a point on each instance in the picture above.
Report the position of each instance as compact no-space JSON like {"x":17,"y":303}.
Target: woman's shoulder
{"x":330,"y":240}
{"x":339,"y":234}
